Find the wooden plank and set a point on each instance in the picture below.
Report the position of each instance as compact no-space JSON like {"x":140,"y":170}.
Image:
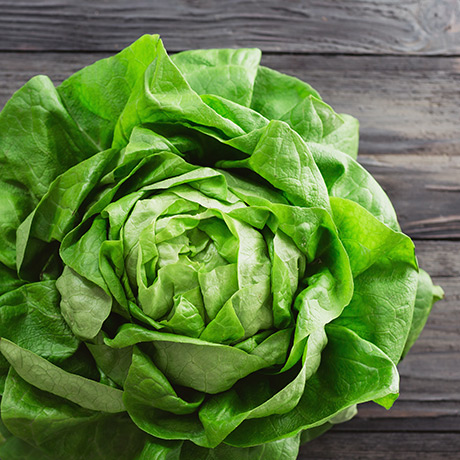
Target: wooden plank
{"x":425,"y":191}
{"x":441,"y":336}
{"x":416,"y":416}
{"x":304,"y":26}
{"x":440,"y":258}
{"x":405,"y":105}
{"x":366,"y":445}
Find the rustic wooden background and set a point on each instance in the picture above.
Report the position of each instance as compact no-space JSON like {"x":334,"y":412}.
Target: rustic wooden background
{"x":395,"y":65}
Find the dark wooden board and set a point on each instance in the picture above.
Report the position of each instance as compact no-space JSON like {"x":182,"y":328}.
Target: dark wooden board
{"x":440,"y":258}
{"x":301,"y":26}
{"x":413,"y":416}
{"x":424,"y":189}
{"x":365,"y":445}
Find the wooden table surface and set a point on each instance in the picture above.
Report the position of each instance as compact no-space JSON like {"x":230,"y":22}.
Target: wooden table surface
{"x":395,"y":65}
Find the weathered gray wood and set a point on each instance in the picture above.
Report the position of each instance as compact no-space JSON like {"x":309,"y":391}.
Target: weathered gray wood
{"x":424,"y":191}
{"x":318,"y":26}
{"x":366,"y":445}
{"x":417,"y":416}
{"x":440,"y":259}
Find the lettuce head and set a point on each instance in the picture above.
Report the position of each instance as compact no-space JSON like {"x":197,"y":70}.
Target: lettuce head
{"x":193,"y":265}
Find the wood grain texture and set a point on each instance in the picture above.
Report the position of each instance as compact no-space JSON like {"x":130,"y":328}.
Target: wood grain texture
{"x":404,"y":416}
{"x":365,"y":445}
{"x":302,"y":26}
{"x":423,"y":191}
{"x":440,"y":258}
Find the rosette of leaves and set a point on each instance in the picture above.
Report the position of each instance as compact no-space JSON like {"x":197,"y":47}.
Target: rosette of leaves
{"x":192,"y":263}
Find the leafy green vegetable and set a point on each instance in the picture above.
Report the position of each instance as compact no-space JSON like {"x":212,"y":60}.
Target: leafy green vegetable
{"x":194,"y":266}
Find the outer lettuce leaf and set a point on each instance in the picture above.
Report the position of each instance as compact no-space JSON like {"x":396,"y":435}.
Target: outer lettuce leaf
{"x":46,"y":376}
{"x":51,"y":142}
{"x":9,"y":280}
{"x":216,"y":72}
{"x":285,"y":449}
{"x":30,"y":317}
{"x":17,"y":449}
{"x":96,"y":95}
{"x":57,"y":212}
{"x":349,"y":365}
{"x":281,"y":97}
{"x":427,"y":295}
{"x":385,"y":278}
{"x":58,"y":429}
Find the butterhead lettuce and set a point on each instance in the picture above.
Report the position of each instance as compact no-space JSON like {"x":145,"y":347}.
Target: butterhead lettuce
{"x":192,"y":264}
